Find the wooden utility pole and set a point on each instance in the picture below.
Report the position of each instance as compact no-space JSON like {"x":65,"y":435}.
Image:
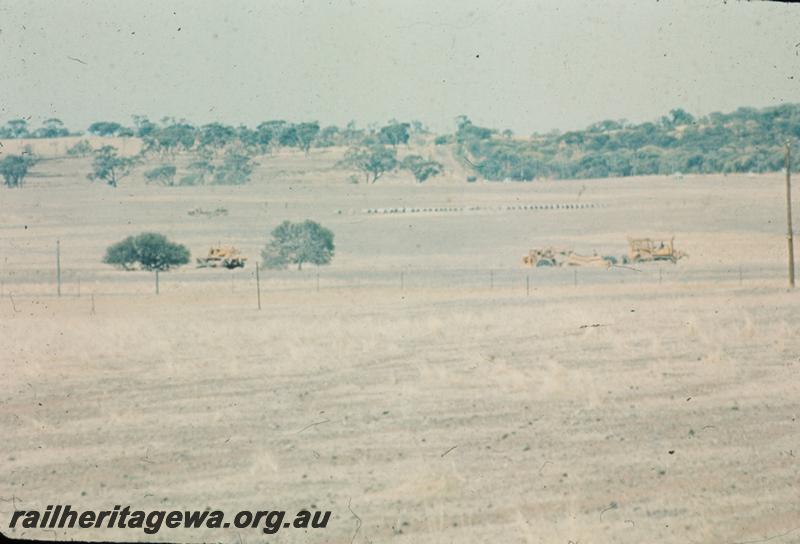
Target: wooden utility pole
{"x":789,"y":234}
{"x":258,"y":287}
{"x":58,"y":266}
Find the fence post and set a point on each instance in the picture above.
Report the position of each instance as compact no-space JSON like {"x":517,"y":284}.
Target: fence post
{"x":258,"y":287}
{"x":528,"y":285}
{"x":58,"y":266}
{"x":157,"y":281}
{"x":789,"y":233}
{"x":491,"y":279}
{"x":575,"y":278}
{"x":402,"y":280}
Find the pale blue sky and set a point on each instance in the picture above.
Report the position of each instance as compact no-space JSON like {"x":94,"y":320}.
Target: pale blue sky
{"x":528,"y":65}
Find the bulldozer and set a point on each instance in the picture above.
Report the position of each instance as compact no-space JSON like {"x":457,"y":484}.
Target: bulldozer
{"x":647,"y":249}
{"x":224,"y":256}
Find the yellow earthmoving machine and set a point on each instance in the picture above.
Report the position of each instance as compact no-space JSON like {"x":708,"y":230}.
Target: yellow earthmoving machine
{"x":647,"y":249}
{"x":543,"y":257}
{"x":575,"y":259}
{"x":551,"y":256}
{"x":225,"y":256}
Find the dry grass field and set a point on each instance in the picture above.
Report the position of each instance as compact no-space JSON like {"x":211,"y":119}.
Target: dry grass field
{"x":656,"y":404}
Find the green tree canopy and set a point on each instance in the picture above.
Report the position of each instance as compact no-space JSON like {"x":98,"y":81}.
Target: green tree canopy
{"x":104,"y":128}
{"x":164,"y":174}
{"x":373,"y":161}
{"x":14,"y":168}
{"x":109,"y":167}
{"x":305,"y":133}
{"x":394,"y":134}
{"x":421,"y":168}
{"x":144,"y":127}
{"x":51,"y":128}
{"x":16,"y":128}
{"x":174,"y":137}
{"x":235,"y":169}
{"x":469,"y":132}
{"x":287,"y":136}
{"x":269,"y":132}
{"x":216,"y":135}
{"x":149,"y":251}
{"x":298,"y":243}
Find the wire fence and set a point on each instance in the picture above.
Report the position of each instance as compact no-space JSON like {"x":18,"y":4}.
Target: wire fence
{"x":525,"y":281}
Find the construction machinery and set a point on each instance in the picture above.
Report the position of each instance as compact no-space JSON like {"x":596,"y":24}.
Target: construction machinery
{"x":575,"y":259}
{"x":640,"y":250}
{"x":222,"y":256}
{"x":649,"y":249}
{"x":551,"y":256}
{"x":543,"y":257}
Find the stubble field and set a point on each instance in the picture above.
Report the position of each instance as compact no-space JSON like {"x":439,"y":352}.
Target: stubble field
{"x":424,"y":387}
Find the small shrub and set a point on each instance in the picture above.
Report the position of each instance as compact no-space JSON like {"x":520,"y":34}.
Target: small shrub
{"x":235,"y":170}
{"x":164,"y":174}
{"x":443,"y":140}
{"x":195,"y":178}
{"x":421,"y":169}
{"x":81,"y":149}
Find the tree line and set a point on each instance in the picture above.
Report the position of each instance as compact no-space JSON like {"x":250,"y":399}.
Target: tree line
{"x":171,"y":135}
{"x":746,"y":140}
{"x":225,"y":155}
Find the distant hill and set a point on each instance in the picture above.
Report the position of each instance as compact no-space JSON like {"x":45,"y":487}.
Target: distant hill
{"x":746,"y":140}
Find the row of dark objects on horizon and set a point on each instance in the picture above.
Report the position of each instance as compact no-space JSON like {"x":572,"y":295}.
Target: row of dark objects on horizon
{"x":517,"y":207}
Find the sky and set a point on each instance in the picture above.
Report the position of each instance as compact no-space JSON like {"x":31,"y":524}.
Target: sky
{"x":527,"y":65}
